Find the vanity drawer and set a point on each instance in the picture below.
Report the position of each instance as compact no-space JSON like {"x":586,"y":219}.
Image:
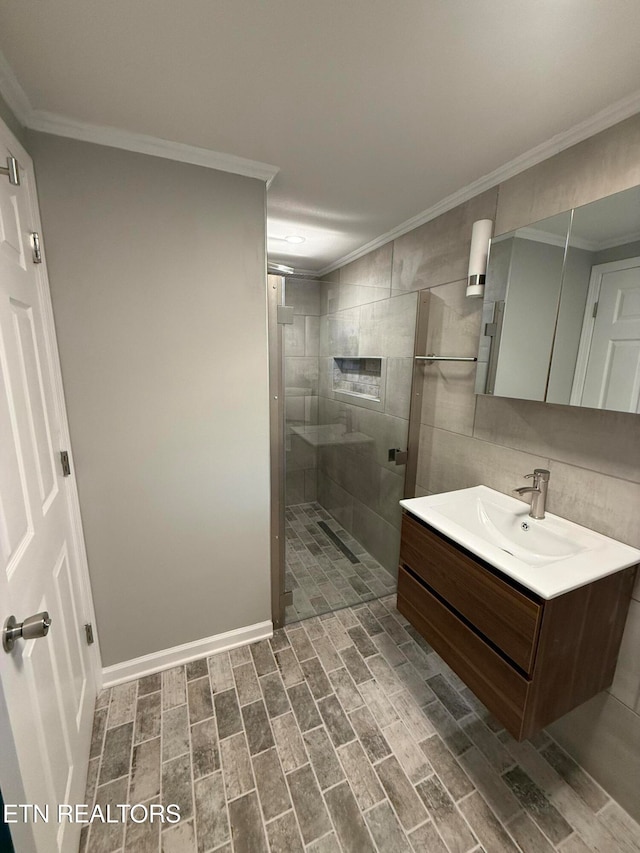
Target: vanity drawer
{"x":497,"y":684}
{"x":503,"y":614}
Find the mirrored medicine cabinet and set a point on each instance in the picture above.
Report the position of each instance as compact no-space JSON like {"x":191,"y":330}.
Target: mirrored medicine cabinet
{"x":561,"y":311}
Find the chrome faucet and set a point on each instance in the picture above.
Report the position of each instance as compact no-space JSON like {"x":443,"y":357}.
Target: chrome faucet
{"x":538,"y":491}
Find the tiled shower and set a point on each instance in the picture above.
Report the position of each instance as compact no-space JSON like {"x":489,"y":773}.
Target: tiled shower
{"x":348,"y":365}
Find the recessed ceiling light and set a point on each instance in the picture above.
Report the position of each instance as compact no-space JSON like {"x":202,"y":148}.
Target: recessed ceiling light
{"x":295,"y":238}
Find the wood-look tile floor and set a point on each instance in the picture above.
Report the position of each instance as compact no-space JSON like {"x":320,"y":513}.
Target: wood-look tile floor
{"x":345,"y":732}
{"x":320,"y":575}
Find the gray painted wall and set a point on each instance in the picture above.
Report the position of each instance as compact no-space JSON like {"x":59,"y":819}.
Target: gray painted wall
{"x":594,"y":456}
{"x":159,"y":290}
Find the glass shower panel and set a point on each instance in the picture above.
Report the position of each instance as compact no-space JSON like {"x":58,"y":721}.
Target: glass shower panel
{"x":348,"y":365}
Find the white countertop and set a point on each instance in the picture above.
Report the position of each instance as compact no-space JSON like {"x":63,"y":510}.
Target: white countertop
{"x":550,"y":556}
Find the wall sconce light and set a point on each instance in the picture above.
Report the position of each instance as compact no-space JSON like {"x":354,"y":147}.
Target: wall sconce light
{"x":480,"y":236}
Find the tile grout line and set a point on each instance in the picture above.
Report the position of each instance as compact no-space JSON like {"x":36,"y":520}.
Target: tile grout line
{"x":133,"y":737}
{"x":190,"y":741}
{"x":309,"y":761}
{"x":355,"y":740}
{"x":275,"y":742}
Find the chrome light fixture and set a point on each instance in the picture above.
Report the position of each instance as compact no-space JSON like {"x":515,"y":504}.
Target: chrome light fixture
{"x":480,"y":237}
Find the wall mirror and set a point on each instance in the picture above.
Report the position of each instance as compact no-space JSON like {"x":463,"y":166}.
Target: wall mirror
{"x":561,"y":312}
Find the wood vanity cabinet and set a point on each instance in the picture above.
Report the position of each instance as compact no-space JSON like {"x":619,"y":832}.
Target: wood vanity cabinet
{"x":529,"y":660}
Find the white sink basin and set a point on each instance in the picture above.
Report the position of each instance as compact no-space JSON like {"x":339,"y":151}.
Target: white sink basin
{"x":549,"y":556}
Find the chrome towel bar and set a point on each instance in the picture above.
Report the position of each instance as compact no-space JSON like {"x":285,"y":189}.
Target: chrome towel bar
{"x":432,"y":357}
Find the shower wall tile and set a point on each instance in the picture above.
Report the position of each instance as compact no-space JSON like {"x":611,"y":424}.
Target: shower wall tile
{"x":335,"y":500}
{"x":398,"y":396}
{"x":449,"y":399}
{"x":330,"y":411}
{"x":294,"y":409}
{"x":311,"y":335}
{"x":372,"y":270}
{"x":589,"y":438}
{"x":294,"y":488}
{"x":605,"y":733}
{"x":606,"y":504}
{"x":390,"y":493}
{"x":301,"y":374}
{"x":325,"y":378}
{"x":438,"y":251}
{"x":380,"y":538}
{"x":358,"y":476}
{"x":337,"y":297}
{"x":626,"y":684}
{"x":294,"y":336}
{"x":339,"y":333}
{"x":301,"y":340}
{"x":303,"y":295}
{"x":310,"y":485}
{"x":311,"y":410}
{"x":387,"y":328}
{"x":449,"y":461}
{"x":421,"y":491}
{"x":386,"y":432}
{"x":302,"y":455}
{"x":377,"y":488}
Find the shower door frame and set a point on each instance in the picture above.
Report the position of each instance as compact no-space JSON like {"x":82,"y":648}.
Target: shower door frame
{"x":275,"y":297}
{"x":417,"y":382}
{"x":275,"y":292}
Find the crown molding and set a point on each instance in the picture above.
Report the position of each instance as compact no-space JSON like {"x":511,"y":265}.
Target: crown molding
{"x":113,"y":137}
{"x":539,"y":236}
{"x":300,"y":273}
{"x":617,"y":112}
{"x":622,"y":240}
{"x":297,"y":272}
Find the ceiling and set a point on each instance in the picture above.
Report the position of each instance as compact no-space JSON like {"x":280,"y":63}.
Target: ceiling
{"x":373,"y":111}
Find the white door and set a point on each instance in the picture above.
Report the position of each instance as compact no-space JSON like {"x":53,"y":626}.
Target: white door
{"x":47,"y":686}
{"x":608,"y":367}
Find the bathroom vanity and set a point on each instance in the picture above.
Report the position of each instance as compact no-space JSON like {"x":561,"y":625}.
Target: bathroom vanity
{"x":533,"y":630}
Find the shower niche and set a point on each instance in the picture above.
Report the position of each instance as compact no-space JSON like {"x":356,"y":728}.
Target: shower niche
{"x":360,"y":381}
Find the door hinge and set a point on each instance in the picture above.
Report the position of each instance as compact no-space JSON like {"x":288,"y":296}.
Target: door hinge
{"x":595,"y":309}
{"x":88,"y":630}
{"x":66,"y":465}
{"x":12,"y":171}
{"x":398,"y":456}
{"x":36,"y":251}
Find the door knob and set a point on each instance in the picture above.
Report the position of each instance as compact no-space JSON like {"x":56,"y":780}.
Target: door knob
{"x":32,"y":628}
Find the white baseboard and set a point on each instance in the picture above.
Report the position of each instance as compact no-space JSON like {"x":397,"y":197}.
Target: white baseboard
{"x":167,"y":658}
